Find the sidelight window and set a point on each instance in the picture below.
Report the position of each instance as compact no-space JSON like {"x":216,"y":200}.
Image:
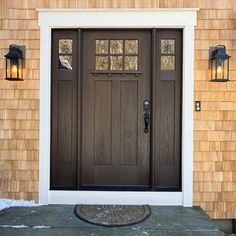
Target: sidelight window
{"x":167,"y":54}
{"x":65,"y":54}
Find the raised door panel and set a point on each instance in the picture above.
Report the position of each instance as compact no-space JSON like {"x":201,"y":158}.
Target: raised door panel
{"x":102,"y":122}
{"x":129,"y":122}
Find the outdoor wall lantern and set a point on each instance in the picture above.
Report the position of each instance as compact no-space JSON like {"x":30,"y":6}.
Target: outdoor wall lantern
{"x":15,"y":62}
{"x":219,"y":64}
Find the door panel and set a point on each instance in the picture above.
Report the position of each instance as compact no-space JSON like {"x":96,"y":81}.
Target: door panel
{"x":64,"y":110}
{"x":129,"y":122}
{"x":167,"y":115}
{"x":115,"y":149}
{"x":65,"y":122}
{"x":102,"y":120}
{"x":167,"y":132}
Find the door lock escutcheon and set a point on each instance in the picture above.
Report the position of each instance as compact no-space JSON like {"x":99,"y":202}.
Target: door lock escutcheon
{"x":146,"y":108}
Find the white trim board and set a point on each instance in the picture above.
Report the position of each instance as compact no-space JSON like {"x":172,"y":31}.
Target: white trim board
{"x":112,"y":197}
{"x":117,"y":18}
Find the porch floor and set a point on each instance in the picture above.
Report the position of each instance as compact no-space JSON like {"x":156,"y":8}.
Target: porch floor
{"x":61,"y":220}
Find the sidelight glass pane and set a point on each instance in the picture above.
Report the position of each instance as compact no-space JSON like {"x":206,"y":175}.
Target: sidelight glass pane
{"x":131,"y":63}
{"x":65,"y":46}
{"x":116,"y":62}
{"x":167,"y":46}
{"x":131,"y":46}
{"x":65,"y":62}
{"x":102,"y":46}
{"x":167,"y":62}
{"x":101,"y":62}
{"x":116,"y":46}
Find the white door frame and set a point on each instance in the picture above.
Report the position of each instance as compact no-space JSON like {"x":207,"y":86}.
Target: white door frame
{"x":117,"y":18}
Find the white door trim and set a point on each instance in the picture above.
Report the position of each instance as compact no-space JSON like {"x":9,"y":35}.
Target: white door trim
{"x":117,"y":18}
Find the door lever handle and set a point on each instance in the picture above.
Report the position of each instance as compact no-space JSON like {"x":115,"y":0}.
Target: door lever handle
{"x":146,"y":122}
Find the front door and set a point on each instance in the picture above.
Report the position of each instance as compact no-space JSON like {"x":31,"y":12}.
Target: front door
{"x":116,"y":109}
{"x":115,"y":83}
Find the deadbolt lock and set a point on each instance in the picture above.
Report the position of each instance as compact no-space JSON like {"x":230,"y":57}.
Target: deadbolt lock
{"x":146,"y":105}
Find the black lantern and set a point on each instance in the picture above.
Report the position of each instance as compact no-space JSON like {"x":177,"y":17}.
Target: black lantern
{"x":219,"y":63}
{"x":14,"y":63}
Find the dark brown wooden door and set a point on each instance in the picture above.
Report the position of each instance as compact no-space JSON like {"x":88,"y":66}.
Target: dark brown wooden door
{"x":103,"y":134}
{"x":115,"y":82}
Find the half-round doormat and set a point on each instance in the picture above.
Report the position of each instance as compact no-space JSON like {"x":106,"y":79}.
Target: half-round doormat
{"x":112,"y":215}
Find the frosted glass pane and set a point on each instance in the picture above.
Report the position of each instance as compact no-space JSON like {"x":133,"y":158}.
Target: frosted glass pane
{"x":131,"y":63}
{"x":167,"y":46}
{"x":65,"y":46}
{"x":116,"y":62}
{"x":131,"y":46}
{"x":116,"y":46}
{"x":102,"y":46}
{"x":167,"y":62}
{"x":101,"y":63}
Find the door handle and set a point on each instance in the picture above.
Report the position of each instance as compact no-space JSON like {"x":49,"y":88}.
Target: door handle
{"x":146,"y":109}
{"x":146,"y":122}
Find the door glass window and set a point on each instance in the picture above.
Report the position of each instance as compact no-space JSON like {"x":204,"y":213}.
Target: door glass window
{"x":116,"y":55}
{"x":131,"y":63}
{"x":65,"y":54}
{"x":101,"y":46}
{"x":101,"y":62}
{"x":131,"y":46}
{"x":167,"y":54}
{"x":167,"y":62}
{"x":167,"y":46}
{"x":116,"y":46}
{"x":116,"y":62}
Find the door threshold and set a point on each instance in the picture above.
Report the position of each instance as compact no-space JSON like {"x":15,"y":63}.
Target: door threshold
{"x":115,"y":197}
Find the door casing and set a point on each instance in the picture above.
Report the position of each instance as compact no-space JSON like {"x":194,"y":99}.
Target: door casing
{"x":108,"y":18}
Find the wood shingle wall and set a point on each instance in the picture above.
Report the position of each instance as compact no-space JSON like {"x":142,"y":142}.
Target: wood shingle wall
{"x":215,"y":125}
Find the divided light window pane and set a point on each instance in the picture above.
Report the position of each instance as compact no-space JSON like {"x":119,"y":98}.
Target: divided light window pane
{"x":65,"y":54}
{"x":116,"y":54}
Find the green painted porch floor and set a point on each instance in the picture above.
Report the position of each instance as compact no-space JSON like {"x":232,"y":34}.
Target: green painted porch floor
{"x":61,"y":220}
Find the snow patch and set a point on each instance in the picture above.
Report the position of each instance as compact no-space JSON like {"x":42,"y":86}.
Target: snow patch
{"x":14,"y":226}
{"x":136,"y":228}
{"x":6,"y":203}
{"x":41,"y":227}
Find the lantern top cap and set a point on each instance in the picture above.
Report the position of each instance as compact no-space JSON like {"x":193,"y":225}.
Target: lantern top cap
{"x":15,"y":52}
{"x":220,"y":53}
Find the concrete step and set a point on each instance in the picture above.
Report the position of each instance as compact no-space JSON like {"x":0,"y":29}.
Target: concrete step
{"x":60,"y":220}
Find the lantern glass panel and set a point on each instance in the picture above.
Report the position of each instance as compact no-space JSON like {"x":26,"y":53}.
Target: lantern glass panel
{"x":8,"y":74}
{"x":20,"y":69}
{"x":14,"y":68}
{"x":214,"y":69}
{"x":219,"y":69}
{"x":226,"y":71}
